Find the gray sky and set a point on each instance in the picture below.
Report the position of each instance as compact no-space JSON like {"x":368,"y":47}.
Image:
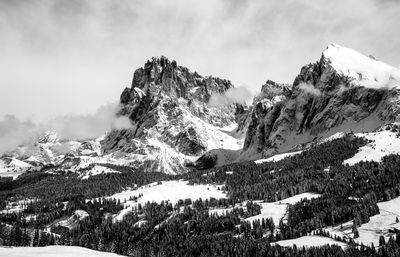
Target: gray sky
{"x":71,"y":56}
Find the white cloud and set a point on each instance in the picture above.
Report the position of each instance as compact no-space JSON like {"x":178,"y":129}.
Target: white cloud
{"x":310,"y":89}
{"x":233,"y":95}
{"x":15,"y":132}
{"x":72,"y":56}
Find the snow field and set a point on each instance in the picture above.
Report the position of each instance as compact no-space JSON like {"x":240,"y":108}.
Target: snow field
{"x":310,"y":241}
{"x":377,"y":226}
{"x":171,"y":191}
{"x":51,"y":251}
{"x":383,"y":143}
{"x":275,"y":210}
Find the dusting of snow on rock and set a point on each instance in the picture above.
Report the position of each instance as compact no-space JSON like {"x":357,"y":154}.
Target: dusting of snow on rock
{"x":310,"y":241}
{"x":383,"y":143}
{"x":277,"y":157}
{"x":364,"y":70}
{"x":171,"y":191}
{"x":51,"y":251}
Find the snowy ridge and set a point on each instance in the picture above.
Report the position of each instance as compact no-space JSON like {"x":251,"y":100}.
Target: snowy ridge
{"x":365,"y":71}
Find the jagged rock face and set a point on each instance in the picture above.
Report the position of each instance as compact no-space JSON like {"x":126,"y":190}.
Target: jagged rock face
{"x":325,"y":98}
{"x":171,"y":122}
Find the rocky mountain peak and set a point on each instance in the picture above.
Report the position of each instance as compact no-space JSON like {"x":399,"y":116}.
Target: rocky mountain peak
{"x":172,"y":123}
{"x":160,"y":75}
{"x":344,"y":89}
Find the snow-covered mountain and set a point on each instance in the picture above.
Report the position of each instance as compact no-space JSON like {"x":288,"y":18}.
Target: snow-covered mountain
{"x":343,"y":91}
{"x":172,"y":126}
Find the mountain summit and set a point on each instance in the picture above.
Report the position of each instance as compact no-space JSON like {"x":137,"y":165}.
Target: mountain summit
{"x":343,"y":91}
{"x":172,"y":124}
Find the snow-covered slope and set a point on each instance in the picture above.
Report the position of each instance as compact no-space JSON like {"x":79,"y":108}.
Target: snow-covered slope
{"x":382,"y":143}
{"x":171,"y":191}
{"x":51,"y":251}
{"x":310,"y":241}
{"x":277,"y":157}
{"x":277,"y":210}
{"x":364,"y":70}
{"x":13,"y":167}
{"x":73,"y":221}
{"x":378,"y":225}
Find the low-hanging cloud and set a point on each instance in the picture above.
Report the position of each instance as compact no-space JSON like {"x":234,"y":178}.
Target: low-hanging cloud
{"x":310,"y":89}
{"x":233,"y":95}
{"x":15,"y":132}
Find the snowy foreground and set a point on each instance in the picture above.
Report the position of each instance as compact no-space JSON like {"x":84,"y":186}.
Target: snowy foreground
{"x":50,"y":251}
{"x":171,"y":191}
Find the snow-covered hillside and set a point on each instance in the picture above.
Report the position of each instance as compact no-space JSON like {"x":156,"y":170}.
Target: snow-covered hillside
{"x":13,"y":168}
{"x":171,"y":191}
{"x":72,"y":221}
{"x":378,"y":225}
{"x":52,"y":251}
{"x":383,"y":143}
{"x":277,"y":210}
{"x":310,"y":241}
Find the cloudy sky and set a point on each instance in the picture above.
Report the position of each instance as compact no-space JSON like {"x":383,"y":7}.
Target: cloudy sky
{"x":72,"y":56}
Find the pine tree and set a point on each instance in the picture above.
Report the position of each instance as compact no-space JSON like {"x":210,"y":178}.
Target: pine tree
{"x":35,"y":241}
{"x":381,"y":241}
{"x":355,"y":231}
